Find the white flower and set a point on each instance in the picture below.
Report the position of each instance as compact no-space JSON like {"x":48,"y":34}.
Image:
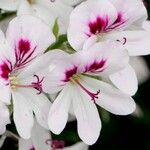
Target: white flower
{"x":4,"y":115}
{"x":117,"y":20}
{"x":80,"y":92}
{"x":41,"y":140}
{"x":27,"y":38}
{"x":48,"y":10}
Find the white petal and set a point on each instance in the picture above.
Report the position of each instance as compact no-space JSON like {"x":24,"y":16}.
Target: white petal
{"x":134,"y":11}
{"x":5,"y":93}
{"x":89,"y":42}
{"x":39,"y":137}
{"x":59,"y":10}
{"x":88,"y":120}
{"x":85,"y":13}
{"x":2,"y":37}
{"x":31,"y":29}
{"x":141,"y":68}
{"x":45,"y":14}
{"x":39,"y":104}
{"x":23,"y":115}
{"x":4,"y":115}
{"x":136,"y":42}
{"x":25,"y":144}
{"x":78,"y":146}
{"x":146,"y":25}
{"x":54,"y":80}
{"x":9,"y":4}
{"x":24,"y":8}
{"x":112,"y":99}
{"x":38,"y":66}
{"x":125,"y":80}
{"x":58,"y":114}
{"x":110,"y":52}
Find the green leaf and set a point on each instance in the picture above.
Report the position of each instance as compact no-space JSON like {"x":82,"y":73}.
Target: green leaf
{"x":56,"y":28}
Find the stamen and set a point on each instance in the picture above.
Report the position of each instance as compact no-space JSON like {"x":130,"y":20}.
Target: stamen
{"x":37,"y":85}
{"x":93,"y":96}
{"x":124,"y":41}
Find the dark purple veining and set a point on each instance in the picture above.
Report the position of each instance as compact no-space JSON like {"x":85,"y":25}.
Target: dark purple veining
{"x":69,"y":73}
{"x":96,"y":66}
{"x":101,"y":24}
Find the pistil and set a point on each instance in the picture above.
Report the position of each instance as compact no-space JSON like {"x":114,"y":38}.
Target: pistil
{"x":93,"y":96}
{"x":37,"y":85}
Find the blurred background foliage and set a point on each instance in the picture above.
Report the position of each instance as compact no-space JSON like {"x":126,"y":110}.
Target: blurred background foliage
{"x":118,"y":133}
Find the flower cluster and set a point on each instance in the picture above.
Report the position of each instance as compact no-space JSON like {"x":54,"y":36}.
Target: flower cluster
{"x":89,"y":70}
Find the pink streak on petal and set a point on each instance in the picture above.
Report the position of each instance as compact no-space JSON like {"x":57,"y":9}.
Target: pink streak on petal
{"x":5,"y":69}
{"x":24,"y":46}
{"x":99,"y":25}
{"x":23,"y":53}
{"x":69,"y":73}
{"x":32,"y":148}
{"x":96,"y":66}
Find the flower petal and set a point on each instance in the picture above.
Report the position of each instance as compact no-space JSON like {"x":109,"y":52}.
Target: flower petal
{"x":5,"y":93}
{"x":54,"y":80}
{"x":58,"y":117}
{"x":25,"y":144}
{"x":38,"y":66}
{"x":109,"y":53}
{"x":146,"y":25}
{"x":112,"y":99}
{"x":23,"y":115}
{"x":89,"y":124}
{"x":31,"y":33}
{"x":4,"y":115}
{"x":59,"y":10}
{"x":24,"y":8}
{"x":9,"y":4}
{"x":136,"y":42}
{"x":39,"y":137}
{"x":85,"y":13}
{"x":133,"y":11}
{"x":141,"y":68}
{"x":40,"y":105}
{"x":125,"y":80}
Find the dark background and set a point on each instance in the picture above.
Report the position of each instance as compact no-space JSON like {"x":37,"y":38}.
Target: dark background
{"x":119,"y":133}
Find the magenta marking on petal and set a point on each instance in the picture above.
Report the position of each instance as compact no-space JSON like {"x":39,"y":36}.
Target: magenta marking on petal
{"x":117,"y":23}
{"x":23,"y":53}
{"x":32,"y":148}
{"x":93,"y":96}
{"x":24,"y":46}
{"x":55,"y":144}
{"x":69,"y":73}
{"x":99,"y":25}
{"x":96,"y":66}
{"x":5,"y":69}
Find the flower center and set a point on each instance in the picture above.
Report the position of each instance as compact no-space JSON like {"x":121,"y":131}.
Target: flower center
{"x":14,"y":83}
{"x":94,"y":96}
